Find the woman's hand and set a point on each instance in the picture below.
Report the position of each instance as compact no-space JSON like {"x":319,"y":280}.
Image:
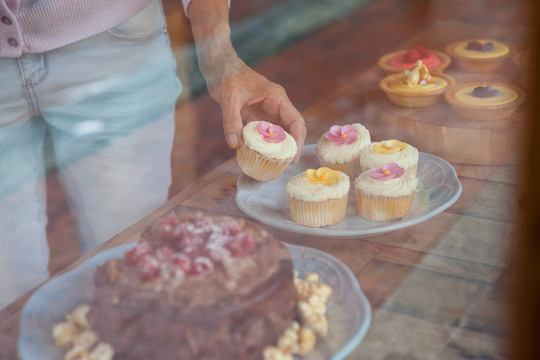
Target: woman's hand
{"x":243,"y":94}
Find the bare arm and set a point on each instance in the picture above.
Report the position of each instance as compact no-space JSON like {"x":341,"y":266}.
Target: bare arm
{"x":241,"y":92}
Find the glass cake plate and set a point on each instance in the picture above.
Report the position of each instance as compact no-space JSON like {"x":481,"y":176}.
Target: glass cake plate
{"x":438,"y":188}
{"x":349,"y":312}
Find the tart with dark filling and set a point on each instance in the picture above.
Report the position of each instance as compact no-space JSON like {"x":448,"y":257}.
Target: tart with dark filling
{"x":485,"y":100}
{"x":480,"y":55}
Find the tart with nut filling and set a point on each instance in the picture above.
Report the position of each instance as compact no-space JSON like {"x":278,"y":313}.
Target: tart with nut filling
{"x":480,"y":55}
{"x":483,"y":100}
{"x":416,"y":87}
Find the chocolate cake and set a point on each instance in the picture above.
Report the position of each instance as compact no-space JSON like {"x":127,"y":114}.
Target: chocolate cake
{"x":196,"y":287}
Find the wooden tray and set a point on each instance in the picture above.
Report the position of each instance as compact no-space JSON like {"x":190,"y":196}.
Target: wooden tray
{"x":438,"y":130}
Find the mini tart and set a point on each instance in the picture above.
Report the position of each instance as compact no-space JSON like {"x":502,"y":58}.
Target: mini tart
{"x":415,"y":96}
{"x":262,"y":160}
{"x":317,"y":205}
{"x":478,"y":61}
{"x":379,"y":200}
{"x":343,"y":158}
{"x":484,"y":109}
{"x":522,"y":59}
{"x":384,"y":62}
{"x":522,"y":62}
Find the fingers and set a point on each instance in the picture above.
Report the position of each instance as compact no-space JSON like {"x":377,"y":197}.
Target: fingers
{"x":296,"y":124}
{"x":232,"y":123}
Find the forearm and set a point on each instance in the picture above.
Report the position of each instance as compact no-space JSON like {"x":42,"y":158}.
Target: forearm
{"x":212,"y":35}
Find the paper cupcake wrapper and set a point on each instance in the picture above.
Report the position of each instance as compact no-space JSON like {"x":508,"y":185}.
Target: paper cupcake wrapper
{"x":318,"y":213}
{"x":382,"y":208}
{"x":351,"y":167}
{"x":260,"y":167}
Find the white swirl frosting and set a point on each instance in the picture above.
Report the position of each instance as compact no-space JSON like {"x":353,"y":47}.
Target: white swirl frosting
{"x":402,"y":186}
{"x":299,"y":188}
{"x":254,"y":140}
{"x":329,"y":152}
{"x":405,"y":158}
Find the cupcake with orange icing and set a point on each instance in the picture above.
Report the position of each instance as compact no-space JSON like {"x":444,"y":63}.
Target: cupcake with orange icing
{"x":318,"y":197}
{"x":385,"y":193}
{"x":376,"y":154}
{"x":339,"y":148}
{"x":266,"y":150}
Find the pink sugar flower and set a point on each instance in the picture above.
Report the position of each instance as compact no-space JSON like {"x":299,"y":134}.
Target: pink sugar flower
{"x":387,"y":172}
{"x":271,"y":133}
{"x":342,"y":135}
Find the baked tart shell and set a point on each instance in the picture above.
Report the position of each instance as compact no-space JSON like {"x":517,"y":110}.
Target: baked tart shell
{"x":479,"y":64}
{"x":484,"y":112}
{"x":414,"y":98}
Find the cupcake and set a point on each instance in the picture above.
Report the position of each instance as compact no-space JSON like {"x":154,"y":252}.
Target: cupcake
{"x":480,"y":55}
{"x":339,"y":148}
{"x":318,"y":197}
{"x":398,"y":61}
{"x":416,"y":87}
{"x":385,"y":193}
{"x":379,"y":153}
{"x":266,"y":150}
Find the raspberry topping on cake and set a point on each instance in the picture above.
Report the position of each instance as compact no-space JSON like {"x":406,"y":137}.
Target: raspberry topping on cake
{"x":196,"y":246}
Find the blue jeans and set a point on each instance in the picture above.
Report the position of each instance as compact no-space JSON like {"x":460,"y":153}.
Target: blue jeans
{"x":106,"y":104}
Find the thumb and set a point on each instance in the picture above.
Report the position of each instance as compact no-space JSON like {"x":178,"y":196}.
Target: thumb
{"x":232,"y":125}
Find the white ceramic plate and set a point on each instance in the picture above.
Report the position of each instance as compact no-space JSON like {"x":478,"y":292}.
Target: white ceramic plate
{"x":349,"y":312}
{"x":438,"y":189}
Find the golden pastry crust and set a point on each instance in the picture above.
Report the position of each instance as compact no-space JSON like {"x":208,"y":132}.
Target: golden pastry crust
{"x":419,"y":98}
{"x":438,"y":69}
{"x":484,"y":112}
{"x":479,"y":64}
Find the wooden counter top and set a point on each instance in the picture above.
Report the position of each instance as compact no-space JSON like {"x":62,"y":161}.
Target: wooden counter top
{"x":438,"y":289}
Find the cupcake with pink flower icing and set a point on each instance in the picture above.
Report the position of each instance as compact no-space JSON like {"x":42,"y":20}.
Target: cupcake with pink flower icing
{"x":318,"y":197}
{"x":266,"y":150}
{"x":379,"y":153}
{"x":339,"y":148}
{"x":385,"y":193}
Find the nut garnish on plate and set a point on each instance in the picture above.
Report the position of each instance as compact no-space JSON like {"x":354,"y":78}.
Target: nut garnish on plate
{"x":300,"y":338}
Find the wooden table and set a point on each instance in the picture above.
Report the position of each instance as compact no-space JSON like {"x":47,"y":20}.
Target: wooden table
{"x":438,"y":289}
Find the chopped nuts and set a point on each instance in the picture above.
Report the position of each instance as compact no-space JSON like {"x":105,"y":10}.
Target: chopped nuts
{"x":102,"y":351}
{"x":288,"y":342}
{"x":311,"y":277}
{"x":85,"y":339}
{"x":77,"y":333}
{"x":306,"y":340}
{"x":320,"y":289}
{"x":273,"y":353}
{"x":319,"y":324}
{"x":317,"y":304}
{"x":64,"y":333}
{"x":78,"y":316}
{"x":312,"y":298}
{"x":77,"y":353}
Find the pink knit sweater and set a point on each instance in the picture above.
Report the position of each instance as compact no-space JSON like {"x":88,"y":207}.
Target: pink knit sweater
{"x":32,"y":26}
